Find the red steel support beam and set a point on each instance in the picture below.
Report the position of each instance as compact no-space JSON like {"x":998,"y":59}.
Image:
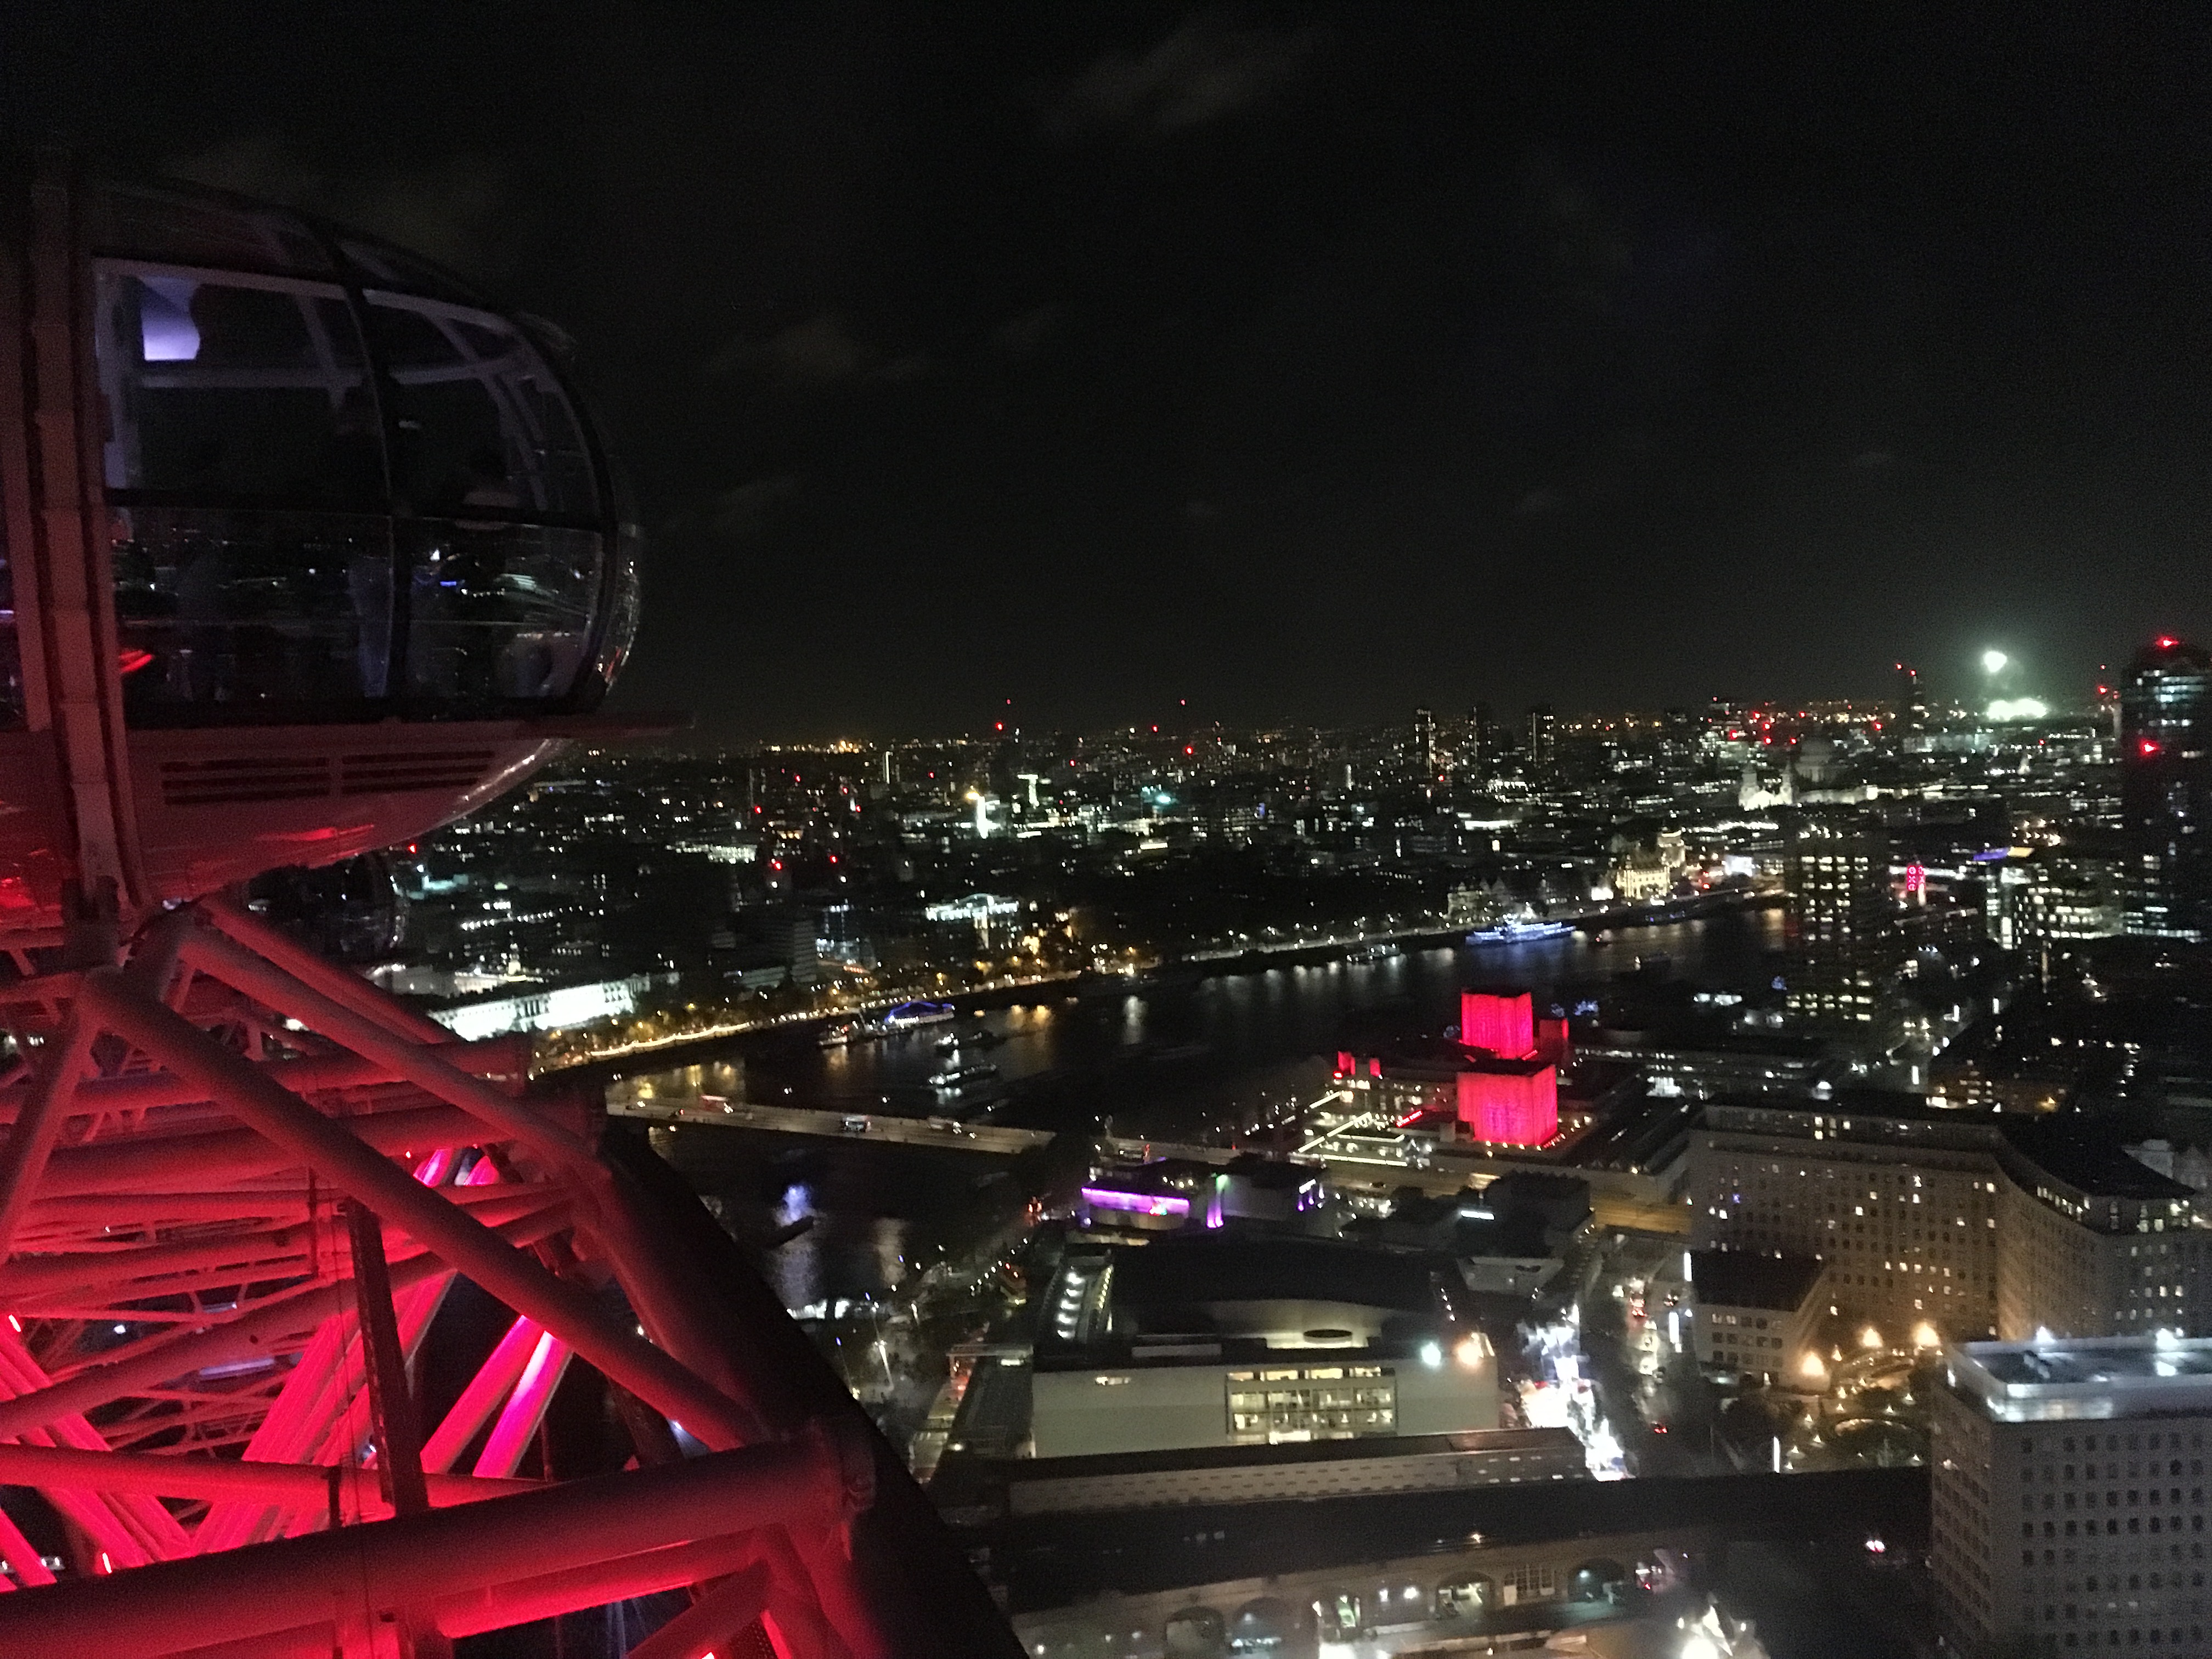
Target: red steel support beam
{"x":255,"y":1255}
{"x":427,"y":1068}
{"x":295,"y":1485}
{"x":809,"y":1485}
{"x":516,"y":1280}
{"x":525,"y":1409}
{"x":160,"y":1162}
{"x":348,"y":990}
{"x":482,"y":1397}
{"x":593,"y":1585}
{"x":709,"y":1624}
{"x":259,"y":1333}
{"x":23,"y":1160}
{"x":18,"y":1552}
{"x":398,"y":1431}
{"x":548,"y":1596}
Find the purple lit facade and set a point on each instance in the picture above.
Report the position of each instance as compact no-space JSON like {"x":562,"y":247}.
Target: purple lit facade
{"x":1111,"y":1198}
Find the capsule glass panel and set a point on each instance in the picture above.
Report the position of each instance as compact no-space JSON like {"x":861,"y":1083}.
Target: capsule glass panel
{"x":498,"y":613}
{"x":252,"y":615}
{"x":201,"y":230}
{"x":480,"y":424}
{"x":11,"y":659}
{"x":329,"y":502}
{"x":233,"y":390}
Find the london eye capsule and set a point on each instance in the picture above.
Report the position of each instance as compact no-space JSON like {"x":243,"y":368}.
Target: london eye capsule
{"x":304,"y":548}
{"x":321,"y":1330}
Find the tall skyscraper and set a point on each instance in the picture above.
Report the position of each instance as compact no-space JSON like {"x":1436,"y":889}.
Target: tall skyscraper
{"x":1543,"y":738}
{"x":1480,"y":755}
{"x":1837,"y":875}
{"x":1911,"y":714}
{"x":1421,"y":751}
{"x":2166,"y":790}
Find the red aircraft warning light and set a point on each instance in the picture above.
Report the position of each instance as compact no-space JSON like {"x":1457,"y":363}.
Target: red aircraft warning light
{"x":312,"y":551}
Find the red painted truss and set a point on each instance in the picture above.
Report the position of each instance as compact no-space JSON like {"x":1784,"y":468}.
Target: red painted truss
{"x":236,"y":1189}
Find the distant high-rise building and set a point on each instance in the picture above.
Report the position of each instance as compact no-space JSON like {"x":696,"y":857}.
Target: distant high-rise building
{"x":1480,"y":754}
{"x":1837,"y":876}
{"x":1421,"y":751}
{"x":1911,"y":705}
{"x":2166,"y":790}
{"x":1543,"y":738}
{"x":2094,"y":1451}
{"x":2041,"y":899}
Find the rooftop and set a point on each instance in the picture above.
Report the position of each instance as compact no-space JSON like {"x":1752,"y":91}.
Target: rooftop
{"x":1171,"y":1459}
{"x":2092,"y":1163}
{"x":1744,"y":1279}
{"x":2070,"y":1379}
{"x":2069,"y":1147}
{"x":1178,"y":1272}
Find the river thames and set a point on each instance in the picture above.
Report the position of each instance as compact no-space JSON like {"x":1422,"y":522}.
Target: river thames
{"x":1198,"y":1058}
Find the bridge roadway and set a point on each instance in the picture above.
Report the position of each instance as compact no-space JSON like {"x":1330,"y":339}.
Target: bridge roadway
{"x":712,"y":1111}
{"x":1620,"y":1202}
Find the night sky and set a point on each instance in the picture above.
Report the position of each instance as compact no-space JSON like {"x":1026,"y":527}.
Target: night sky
{"x":1304,"y":361}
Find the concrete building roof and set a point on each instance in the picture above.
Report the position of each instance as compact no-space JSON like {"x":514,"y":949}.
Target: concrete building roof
{"x":2072,"y":1379}
{"x":1747,"y":1279}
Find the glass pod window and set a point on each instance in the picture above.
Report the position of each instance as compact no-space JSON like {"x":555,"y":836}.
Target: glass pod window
{"x":304,"y":521}
{"x":504,"y":562}
{"x":244,"y":473}
{"x":481,"y":427}
{"x":234,"y":390}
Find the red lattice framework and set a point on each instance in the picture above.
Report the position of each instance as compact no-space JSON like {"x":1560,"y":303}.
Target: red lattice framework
{"x":237,"y":1185}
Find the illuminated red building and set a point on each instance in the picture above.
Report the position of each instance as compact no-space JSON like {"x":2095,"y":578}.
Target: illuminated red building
{"x":1500,"y":1080}
{"x":1510,"y":1103}
{"x":1508,"y":1089}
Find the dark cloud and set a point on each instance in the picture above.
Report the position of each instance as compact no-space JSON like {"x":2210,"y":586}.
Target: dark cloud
{"x":742,"y":514}
{"x":822,"y":351}
{"x":1204,"y":70}
{"x":1028,"y":332}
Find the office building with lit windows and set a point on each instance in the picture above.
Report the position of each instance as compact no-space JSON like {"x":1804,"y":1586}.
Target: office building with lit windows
{"x":1752,"y":1315}
{"x":2068,"y":1491}
{"x":1967,"y":1225}
{"x":1836,"y":874}
{"x":2166,"y":790}
{"x":2043,"y":899}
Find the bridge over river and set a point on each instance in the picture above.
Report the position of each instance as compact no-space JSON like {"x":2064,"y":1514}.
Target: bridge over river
{"x":712,"y":1111}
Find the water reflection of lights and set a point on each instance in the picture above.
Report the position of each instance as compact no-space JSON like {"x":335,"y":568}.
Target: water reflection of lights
{"x":796,"y":1204}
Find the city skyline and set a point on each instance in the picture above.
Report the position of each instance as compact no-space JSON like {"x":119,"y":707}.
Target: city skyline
{"x":1292,"y":358}
{"x":1440,"y":884}
{"x":1968,"y":691}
